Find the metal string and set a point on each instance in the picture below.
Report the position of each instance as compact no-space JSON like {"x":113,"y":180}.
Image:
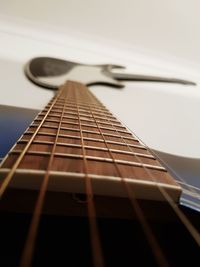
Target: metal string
{"x":183,"y":218}
{"x":9,"y":176}
{"x":157,"y":252}
{"x":165,"y":194}
{"x":191,"y":190}
{"x":94,"y":234}
{"x":33,"y":229}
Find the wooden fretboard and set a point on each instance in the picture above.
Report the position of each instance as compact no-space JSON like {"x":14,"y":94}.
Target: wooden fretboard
{"x":85,"y":139}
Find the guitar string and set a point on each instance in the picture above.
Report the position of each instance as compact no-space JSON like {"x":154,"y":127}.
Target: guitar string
{"x":151,"y":238}
{"x":9,"y":176}
{"x":97,"y":254}
{"x":192,"y":189}
{"x":28,"y":251}
{"x":186,"y":187}
{"x":182,"y":217}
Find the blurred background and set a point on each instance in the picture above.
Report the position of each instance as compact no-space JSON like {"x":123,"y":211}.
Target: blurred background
{"x":156,"y":27}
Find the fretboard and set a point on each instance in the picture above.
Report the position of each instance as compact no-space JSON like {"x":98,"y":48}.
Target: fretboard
{"x":83,"y":138}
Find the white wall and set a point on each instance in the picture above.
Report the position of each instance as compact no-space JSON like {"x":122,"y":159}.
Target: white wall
{"x":159,"y":27}
{"x":152,"y":37}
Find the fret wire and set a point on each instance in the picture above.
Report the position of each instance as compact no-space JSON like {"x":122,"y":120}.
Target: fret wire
{"x":8,"y":178}
{"x":83,"y":103}
{"x":71,"y":102}
{"x":69,"y":105}
{"x":85,"y":131}
{"x":117,"y":125}
{"x":96,"y":115}
{"x":84,"y":124}
{"x":82,"y":175}
{"x":123,"y":162}
{"x":75,"y":117}
{"x":116,"y":130}
{"x":82,"y":112}
{"x":89,"y":116}
{"x":90,"y":147}
{"x":95,"y":239}
{"x":183,"y":218}
{"x":70,"y":117}
{"x":33,"y":229}
{"x":87,"y":138}
{"x":159,"y":256}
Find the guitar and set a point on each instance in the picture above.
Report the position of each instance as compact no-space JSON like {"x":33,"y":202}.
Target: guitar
{"x":79,"y":189}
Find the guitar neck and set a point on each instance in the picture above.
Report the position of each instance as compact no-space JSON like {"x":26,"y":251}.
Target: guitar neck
{"x":76,"y":136}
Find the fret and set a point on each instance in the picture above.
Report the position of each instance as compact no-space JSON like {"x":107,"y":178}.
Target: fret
{"x":81,"y":104}
{"x":100,"y":166}
{"x":85,"y":108}
{"x":82,"y":112}
{"x":95,"y":148}
{"x":118,"y":133}
{"x":106,"y":123}
{"x":109,"y":185}
{"x":85,"y":131}
{"x":122,"y":172}
{"x":66,"y":155}
{"x":57,"y":114}
{"x":87,"y":138}
{"x":107,"y":130}
{"x":55,"y":122}
{"x":89,"y":142}
{"x":48,"y":123}
{"x":70,"y":119}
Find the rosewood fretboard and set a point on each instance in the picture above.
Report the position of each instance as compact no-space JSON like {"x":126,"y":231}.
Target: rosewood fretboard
{"x":82,"y":138}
